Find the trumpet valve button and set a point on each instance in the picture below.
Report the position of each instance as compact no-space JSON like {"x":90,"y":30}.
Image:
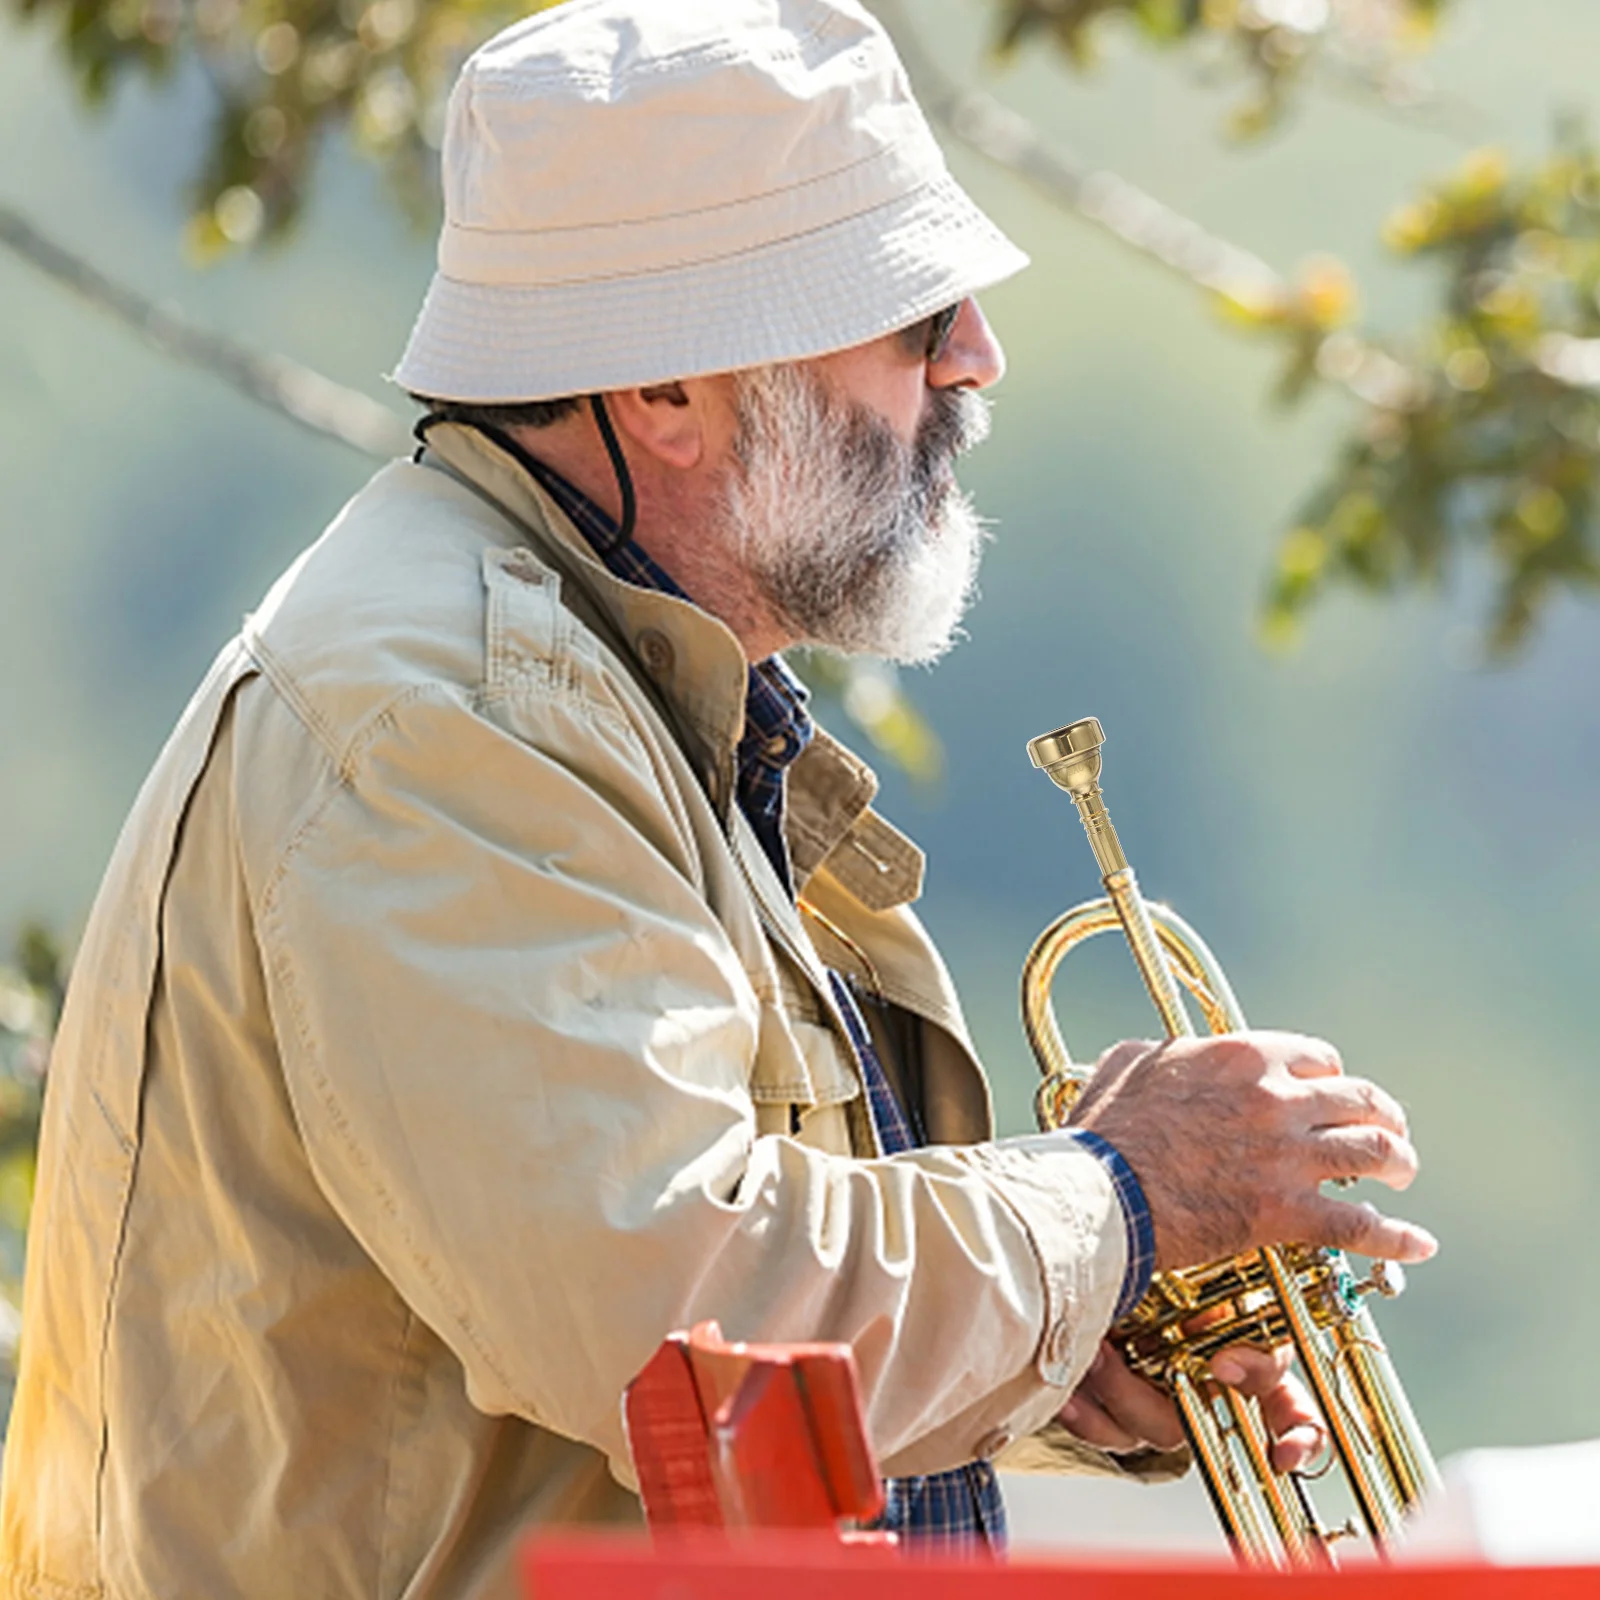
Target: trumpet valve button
{"x":1386,"y":1278}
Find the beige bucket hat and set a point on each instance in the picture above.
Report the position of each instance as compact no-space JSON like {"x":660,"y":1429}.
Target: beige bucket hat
{"x":640,"y":190}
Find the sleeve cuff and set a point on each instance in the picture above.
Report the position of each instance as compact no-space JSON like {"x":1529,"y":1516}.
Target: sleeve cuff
{"x":1136,"y":1218}
{"x":1066,"y":1197}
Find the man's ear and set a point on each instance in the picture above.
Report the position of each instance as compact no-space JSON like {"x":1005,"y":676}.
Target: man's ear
{"x":668,"y":420}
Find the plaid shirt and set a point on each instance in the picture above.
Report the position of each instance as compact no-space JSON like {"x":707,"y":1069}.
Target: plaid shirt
{"x":945,"y":1512}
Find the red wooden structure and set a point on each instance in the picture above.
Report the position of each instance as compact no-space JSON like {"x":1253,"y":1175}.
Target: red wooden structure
{"x":791,"y":1567}
{"x":751,"y":1436}
{"x":767,"y":1442}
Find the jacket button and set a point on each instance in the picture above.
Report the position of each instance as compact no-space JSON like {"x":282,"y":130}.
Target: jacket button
{"x":992,"y":1443}
{"x":655,"y":650}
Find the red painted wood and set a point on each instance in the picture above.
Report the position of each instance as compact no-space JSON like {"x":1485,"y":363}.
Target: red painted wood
{"x":667,"y":1434}
{"x":751,"y":1436}
{"x":833,"y":1403}
{"x":764,"y":1458}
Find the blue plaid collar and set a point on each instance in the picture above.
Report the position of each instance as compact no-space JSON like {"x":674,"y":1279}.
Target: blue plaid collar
{"x":777,"y":724}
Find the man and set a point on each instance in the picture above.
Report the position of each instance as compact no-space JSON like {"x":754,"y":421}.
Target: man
{"x":500,"y":970}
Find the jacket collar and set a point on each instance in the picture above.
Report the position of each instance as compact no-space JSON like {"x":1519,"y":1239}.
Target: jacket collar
{"x":693,"y":660}
{"x":699,"y":669}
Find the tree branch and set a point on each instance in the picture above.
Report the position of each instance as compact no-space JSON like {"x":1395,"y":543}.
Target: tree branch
{"x":1133,"y":217}
{"x":1138,"y":219}
{"x":297,"y":392}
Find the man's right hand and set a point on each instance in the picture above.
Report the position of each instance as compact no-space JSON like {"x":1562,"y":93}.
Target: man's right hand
{"x":1232,"y":1136}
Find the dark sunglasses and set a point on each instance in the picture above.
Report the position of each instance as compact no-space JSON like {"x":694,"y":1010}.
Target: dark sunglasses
{"x":926,"y":340}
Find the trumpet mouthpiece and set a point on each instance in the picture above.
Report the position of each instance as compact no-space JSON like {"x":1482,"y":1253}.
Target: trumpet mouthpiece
{"x":1070,"y":755}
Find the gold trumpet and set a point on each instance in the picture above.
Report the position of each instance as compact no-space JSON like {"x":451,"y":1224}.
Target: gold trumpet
{"x":1295,"y":1294}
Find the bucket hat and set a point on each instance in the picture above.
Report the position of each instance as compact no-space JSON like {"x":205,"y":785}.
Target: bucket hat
{"x":642,"y":190}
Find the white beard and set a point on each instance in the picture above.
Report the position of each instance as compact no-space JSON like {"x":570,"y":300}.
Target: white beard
{"x":856,"y":540}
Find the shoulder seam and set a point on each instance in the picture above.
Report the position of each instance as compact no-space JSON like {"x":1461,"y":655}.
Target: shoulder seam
{"x":344,"y":758}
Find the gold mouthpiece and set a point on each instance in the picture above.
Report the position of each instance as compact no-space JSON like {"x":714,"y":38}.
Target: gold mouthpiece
{"x":1071,"y":755}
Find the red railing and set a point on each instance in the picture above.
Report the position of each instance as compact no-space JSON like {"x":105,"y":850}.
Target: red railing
{"x":780,"y":1566}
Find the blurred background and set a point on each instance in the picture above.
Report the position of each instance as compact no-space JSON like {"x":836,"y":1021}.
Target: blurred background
{"x":1388,"y":831}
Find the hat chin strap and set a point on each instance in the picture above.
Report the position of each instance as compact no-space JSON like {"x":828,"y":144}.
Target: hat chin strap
{"x":619,"y":465}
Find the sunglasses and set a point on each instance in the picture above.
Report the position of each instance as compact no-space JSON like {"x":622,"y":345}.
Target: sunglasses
{"x":928,"y":339}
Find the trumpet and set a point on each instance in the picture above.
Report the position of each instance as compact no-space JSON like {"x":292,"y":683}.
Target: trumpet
{"x":1290,"y":1294}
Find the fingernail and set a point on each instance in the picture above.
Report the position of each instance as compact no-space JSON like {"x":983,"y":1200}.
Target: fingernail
{"x":1227,"y":1370}
{"x":1427,"y":1241}
{"x":1071,"y":1413}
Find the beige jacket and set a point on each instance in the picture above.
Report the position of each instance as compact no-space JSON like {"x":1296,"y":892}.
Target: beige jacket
{"x":440,"y":1040}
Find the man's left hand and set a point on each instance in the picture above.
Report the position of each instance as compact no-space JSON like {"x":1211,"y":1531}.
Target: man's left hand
{"x":1118,"y":1411}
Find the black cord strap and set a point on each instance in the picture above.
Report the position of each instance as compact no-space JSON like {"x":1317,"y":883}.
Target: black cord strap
{"x":541,"y":473}
{"x":420,"y":430}
{"x":619,"y":465}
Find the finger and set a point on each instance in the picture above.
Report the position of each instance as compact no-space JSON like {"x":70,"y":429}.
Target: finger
{"x":1293,"y":1423}
{"x":1305,"y":1057}
{"x":1295,"y":1449}
{"x":1363,"y":1229}
{"x":1286,"y":1404}
{"x":1288,"y":1413}
{"x":1251,"y":1370}
{"x":1086,"y":1418}
{"x":1338,"y":1102}
{"x":1133,"y":1403}
{"x":1365,"y":1152}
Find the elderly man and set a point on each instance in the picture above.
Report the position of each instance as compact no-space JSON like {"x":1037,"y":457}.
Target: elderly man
{"x":500,"y":969}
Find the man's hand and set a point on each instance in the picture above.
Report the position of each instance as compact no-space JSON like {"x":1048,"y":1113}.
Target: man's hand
{"x":1118,"y":1411}
{"x":1231,"y":1137}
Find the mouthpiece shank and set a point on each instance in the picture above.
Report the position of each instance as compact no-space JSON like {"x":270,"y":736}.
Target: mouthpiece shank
{"x":1071,"y":758}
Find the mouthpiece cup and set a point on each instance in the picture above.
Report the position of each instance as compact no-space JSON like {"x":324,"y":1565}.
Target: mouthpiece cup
{"x":1070,"y":755}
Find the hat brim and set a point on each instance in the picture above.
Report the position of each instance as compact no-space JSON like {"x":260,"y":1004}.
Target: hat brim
{"x":786,"y":300}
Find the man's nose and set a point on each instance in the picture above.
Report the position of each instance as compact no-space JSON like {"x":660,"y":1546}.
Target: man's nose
{"x":972,"y":357}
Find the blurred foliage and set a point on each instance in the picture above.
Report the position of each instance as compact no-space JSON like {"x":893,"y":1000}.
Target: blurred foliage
{"x":1270,"y":44}
{"x":1491,"y":446}
{"x":30,"y":1004}
{"x":286,"y":73}
{"x":870,"y":695}
{"x":1303,"y":314}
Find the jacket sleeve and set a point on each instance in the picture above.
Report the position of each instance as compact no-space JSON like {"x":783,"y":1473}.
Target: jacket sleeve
{"x":1054,"y":1451}
{"x":518,"y":1044}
